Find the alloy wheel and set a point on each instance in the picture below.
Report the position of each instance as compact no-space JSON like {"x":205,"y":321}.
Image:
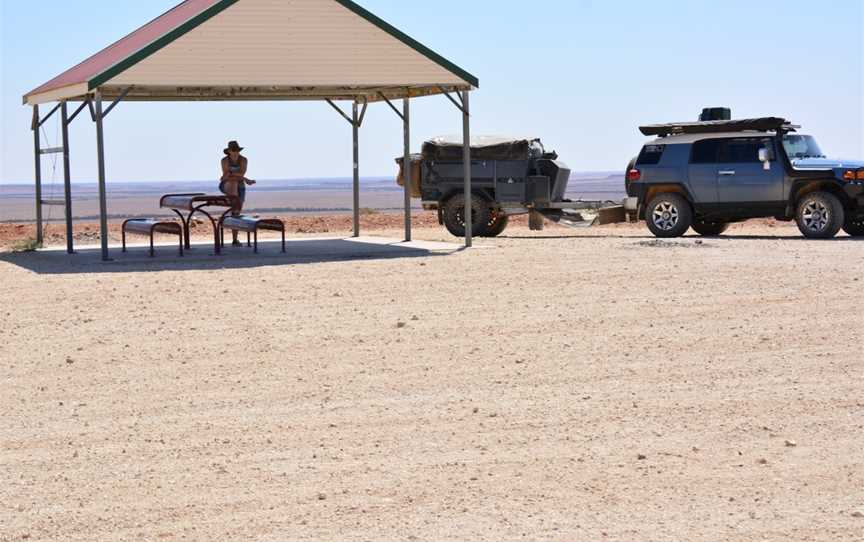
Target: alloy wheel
{"x":816,"y":216}
{"x":665,"y":215}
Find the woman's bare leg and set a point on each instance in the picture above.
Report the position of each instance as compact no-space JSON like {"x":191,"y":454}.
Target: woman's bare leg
{"x":233,"y":189}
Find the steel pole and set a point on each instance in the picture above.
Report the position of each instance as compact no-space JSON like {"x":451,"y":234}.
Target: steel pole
{"x":67,"y":177}
{"x":355,"y":130}
{"x":103,"y":203}
{"x":406,"y":165}
{"x":466,"y":158}
{"x":37,"y":147}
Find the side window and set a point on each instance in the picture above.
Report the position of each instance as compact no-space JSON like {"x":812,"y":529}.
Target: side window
{"x":740,"y":151}
{"x":650,"y":155}
{"x":705,"y":151}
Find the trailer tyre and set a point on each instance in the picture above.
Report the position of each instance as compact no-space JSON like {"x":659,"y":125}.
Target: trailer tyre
{"x":820,"y":215}
{"x":454,"y":215}
{"x":710,"y":229}
{"x":854,"y":227}
{"x":669,"y":215}
{"x":498,"y":222}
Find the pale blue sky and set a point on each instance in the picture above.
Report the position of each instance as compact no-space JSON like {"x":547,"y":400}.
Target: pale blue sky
{"x":581,"y":74}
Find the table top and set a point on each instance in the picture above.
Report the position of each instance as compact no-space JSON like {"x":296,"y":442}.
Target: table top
{"x":189,"y":202}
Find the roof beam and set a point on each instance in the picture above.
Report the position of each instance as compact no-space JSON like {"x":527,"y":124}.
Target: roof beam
{"x":460,"y":105}
{"x":116,"y":101}
{"x":81,"y":107}
{"x":393,"y":107}
{"x":37,"y":123}
{"x":336,"y":107}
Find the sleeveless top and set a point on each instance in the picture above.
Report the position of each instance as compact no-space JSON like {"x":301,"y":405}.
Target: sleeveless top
{"x":235,"y":169}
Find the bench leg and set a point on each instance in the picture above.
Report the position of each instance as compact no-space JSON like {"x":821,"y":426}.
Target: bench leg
{"x":283,"y":239}
{"x":152,"y":249}
{"x":248,"y":239}
{"x":256,"y":241}
{"x":123,"y":235}
{"x":181,"y":244}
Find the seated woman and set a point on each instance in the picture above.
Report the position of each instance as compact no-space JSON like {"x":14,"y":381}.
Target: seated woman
{"x":234,"y":181}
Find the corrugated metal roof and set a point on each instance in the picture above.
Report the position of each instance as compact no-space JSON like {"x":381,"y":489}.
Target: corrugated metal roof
{"x":126,"y":47}
{"x":159,"y":60}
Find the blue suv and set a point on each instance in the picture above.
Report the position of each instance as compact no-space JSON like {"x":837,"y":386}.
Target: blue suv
{"x":705,"y":175}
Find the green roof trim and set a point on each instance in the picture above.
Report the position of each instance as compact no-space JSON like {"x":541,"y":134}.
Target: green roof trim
{"x":155,"y":46}
{"x":411,"y":42}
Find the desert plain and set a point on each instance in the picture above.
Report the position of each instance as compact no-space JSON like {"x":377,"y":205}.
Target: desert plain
{"x":561,"y":385}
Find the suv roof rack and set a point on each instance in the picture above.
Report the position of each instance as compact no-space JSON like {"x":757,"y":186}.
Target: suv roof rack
{"x":765,"y":124}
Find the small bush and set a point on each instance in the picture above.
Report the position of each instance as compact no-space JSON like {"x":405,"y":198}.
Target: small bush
{"x":366,"y":211}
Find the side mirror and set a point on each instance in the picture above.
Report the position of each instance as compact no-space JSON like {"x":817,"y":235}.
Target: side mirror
{"x":765,"y":158}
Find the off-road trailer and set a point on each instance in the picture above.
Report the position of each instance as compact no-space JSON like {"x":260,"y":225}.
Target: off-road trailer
{"x":509,"y":177}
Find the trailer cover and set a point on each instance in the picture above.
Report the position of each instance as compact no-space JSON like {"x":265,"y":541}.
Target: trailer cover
{"x":449,"y":149}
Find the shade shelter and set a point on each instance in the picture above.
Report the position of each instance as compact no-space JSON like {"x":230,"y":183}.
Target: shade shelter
{"x":242,"y":50}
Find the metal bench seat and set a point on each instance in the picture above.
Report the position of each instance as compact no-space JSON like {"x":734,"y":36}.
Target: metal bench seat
{"x":150,"y":227}
{"x":252,"y":225}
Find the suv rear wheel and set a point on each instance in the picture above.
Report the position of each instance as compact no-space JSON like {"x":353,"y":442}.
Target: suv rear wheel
{"x":854,"y":227}
{"x":710,"y":229}
{"x":454,"y":215}
{"x":820,"y":215}
{"x":669,"y":215}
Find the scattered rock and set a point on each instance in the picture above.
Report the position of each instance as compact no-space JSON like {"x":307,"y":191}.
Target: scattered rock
{"x":400,"y":325}
{"x":763,"y":461}
{"x":791,"y":444}
{"x":322,"y":497}
{"x":858,"y":514}
{"x":641,"y":457}
{"x":69,"y":361}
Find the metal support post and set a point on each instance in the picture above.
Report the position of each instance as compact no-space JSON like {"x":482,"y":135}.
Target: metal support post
{"x":406,"y":165}
{"x":103,"y":203}
{"x":38,"y":174}
{"x":466,"y":158}
{"x":355,"y":130}
{"x":67,"y":177}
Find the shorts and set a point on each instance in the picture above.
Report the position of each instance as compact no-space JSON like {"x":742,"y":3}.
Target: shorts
{"x":241,"y":191}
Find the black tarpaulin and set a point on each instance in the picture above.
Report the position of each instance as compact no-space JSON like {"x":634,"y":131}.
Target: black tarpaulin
{"x":482,"y":148}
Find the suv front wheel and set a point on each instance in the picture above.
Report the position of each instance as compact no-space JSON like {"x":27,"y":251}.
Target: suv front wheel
{"x":820,"y":215}
{"x":669,"y":215}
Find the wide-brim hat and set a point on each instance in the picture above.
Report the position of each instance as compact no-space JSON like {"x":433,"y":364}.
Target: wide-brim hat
{"x":233,"y":146}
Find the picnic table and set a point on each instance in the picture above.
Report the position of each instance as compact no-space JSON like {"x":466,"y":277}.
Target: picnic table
{"x":199,"y":203}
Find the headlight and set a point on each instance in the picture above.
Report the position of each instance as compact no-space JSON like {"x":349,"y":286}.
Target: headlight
{"x":853,"y":175}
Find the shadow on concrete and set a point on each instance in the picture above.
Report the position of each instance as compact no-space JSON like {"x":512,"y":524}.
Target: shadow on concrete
{"x":55,"y":261}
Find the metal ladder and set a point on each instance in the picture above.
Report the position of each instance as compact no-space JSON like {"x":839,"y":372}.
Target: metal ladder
{"x":66,"y":202}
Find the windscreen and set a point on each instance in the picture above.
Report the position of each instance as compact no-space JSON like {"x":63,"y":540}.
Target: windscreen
{"x":801,"y":146}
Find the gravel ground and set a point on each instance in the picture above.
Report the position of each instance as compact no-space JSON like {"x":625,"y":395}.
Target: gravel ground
{"x":590,"y":385}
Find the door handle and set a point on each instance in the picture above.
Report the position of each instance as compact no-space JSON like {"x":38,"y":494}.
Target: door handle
{"x":728,"y":173}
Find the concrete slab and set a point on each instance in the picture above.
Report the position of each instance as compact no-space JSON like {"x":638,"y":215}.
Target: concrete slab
{"x":54,"y":260}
